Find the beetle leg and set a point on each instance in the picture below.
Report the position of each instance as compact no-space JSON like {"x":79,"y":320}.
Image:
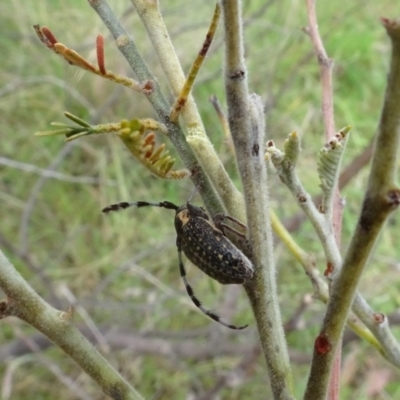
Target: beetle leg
{"x":197,"y":302}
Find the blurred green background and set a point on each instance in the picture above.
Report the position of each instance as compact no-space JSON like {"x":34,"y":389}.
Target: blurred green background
{"x":121,"y":271}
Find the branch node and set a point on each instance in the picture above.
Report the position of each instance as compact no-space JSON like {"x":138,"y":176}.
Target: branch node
{"x":322,"y":344}
{"x":393,"y":198}
{"x":69,"y":314}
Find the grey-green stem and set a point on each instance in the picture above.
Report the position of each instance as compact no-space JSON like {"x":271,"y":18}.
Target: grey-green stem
{"x":382,"y":197}
{"x":23,"y":302}
{"x":246,"y":121}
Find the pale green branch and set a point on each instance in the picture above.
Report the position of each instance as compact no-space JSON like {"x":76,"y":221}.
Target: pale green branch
{"x":23,"y":302}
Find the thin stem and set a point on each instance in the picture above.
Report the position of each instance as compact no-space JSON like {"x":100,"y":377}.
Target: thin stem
{"x":194,"y":70}
{"x":325,"y":70}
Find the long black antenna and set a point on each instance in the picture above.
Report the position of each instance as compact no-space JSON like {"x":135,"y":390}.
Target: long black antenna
{"x":123,"y":205}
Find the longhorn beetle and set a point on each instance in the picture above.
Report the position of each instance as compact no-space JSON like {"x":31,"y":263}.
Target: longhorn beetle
{"x":205,"y":245}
